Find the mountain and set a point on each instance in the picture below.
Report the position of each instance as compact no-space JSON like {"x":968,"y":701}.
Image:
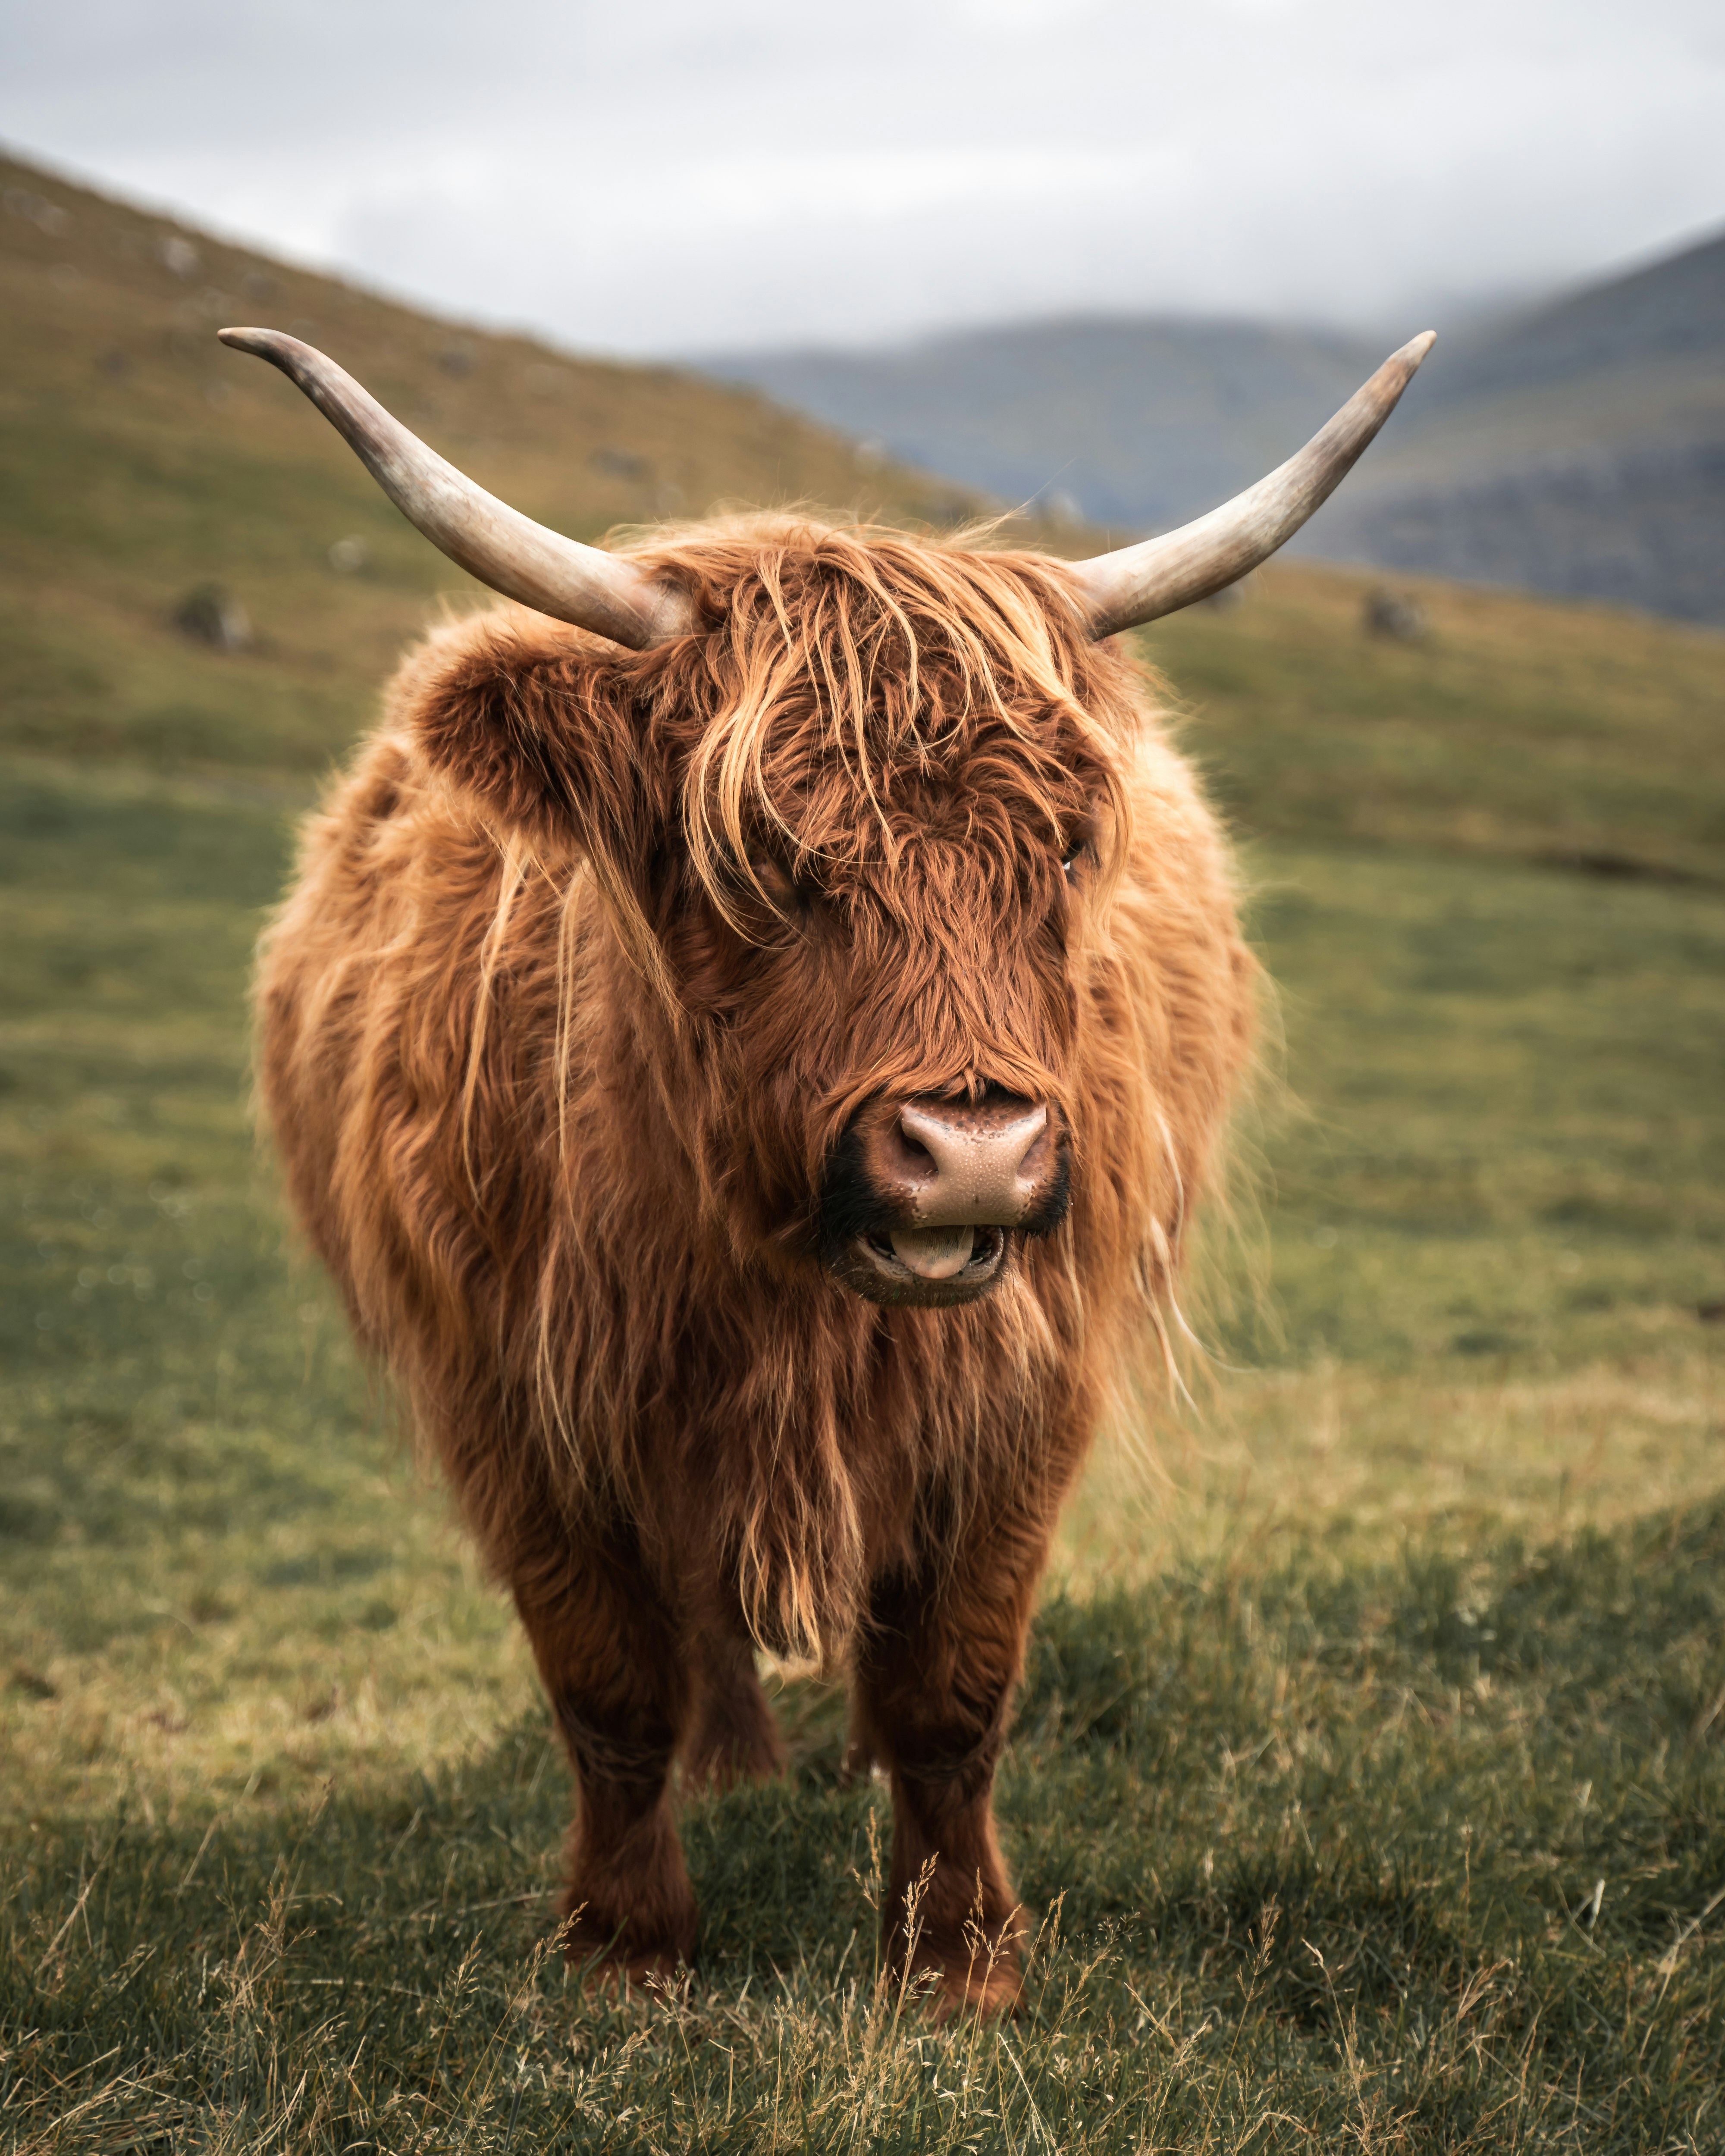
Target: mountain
{"x":194,"y":569}
{"x":1125,"y":423}
{"x":1578,"y":449}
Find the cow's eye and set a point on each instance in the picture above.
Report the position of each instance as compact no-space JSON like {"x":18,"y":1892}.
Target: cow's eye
{"x":1079,"y":847}
{"x":772,"y":876}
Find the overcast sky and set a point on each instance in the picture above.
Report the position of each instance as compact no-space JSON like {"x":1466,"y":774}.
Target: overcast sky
{"x":661,"y":176}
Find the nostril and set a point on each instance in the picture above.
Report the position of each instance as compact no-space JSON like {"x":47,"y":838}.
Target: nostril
{"x":914,"y":1159}
{"x":1035,"y":1143}
{"x":912,"y":1143}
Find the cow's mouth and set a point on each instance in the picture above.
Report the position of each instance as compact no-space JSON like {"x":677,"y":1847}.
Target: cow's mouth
{"x":937,"y":1256}
{"x":931,"y":1268}
{"x":925,"y":1202}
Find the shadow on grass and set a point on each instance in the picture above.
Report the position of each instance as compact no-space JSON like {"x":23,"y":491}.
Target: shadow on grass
{"x":1435,"y":1848}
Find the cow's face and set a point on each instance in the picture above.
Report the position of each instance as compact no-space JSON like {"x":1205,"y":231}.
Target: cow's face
{"x":875,"y":909}
{"x":859,"y":834}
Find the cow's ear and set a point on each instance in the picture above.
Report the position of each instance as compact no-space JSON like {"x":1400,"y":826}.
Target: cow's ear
{"x":539,"y":724}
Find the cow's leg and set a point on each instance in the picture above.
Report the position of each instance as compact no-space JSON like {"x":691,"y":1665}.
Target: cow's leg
{"x":613,"y":1667}
{"x":935,"y":1670}
{"x":732,"y":1736}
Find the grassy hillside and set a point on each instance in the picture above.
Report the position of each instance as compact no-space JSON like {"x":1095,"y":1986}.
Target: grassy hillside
{"x":1577,"y":737}
{"x":1369,"y":1779}
{"x":140,"y":458}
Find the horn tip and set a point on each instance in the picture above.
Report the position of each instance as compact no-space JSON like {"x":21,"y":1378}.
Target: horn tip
{"x":253,"y":341}
{"x":1417,"y":348}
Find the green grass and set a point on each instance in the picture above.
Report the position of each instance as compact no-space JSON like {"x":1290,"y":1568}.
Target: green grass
{"x":1407,"y":1854}
{"x":1327,"y":1742}
{"x":1572,"y":736}
{"x":1366,"y":1783}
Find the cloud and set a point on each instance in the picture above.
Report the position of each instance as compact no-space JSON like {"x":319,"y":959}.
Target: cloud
{"x":671,"y":177}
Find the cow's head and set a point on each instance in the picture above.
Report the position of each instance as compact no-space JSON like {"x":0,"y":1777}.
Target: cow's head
{"x":856,"y":801}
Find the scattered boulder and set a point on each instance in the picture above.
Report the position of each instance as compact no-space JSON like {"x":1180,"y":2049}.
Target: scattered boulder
{"x":210,"y":615}
{"x":619,"y":464}
{"x":46,"y":216}
{"x":1230,"y":595}
{"x":456,"y":361}
{"x":178,"y":256}
{"x":1393,"y":615}
{"x":349,"y":556}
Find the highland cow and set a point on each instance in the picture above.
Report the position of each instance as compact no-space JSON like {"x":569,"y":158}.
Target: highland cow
{"x":748,"y":1037}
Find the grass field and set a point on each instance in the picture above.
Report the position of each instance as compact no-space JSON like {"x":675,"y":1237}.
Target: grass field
{"x":1415,"y":1638}
{"x":1369,"y":1785}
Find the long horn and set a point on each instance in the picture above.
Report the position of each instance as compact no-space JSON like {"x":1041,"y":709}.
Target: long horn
{"x":491,"y":541}
{"x":1159,"y":575}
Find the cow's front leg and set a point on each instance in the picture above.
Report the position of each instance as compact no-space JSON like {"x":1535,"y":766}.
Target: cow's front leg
{"x":732,"y":1737}
{"x":935,"y":1670}
{"x":612,"y":1665}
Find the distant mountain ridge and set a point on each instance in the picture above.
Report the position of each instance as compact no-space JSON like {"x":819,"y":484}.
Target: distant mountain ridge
{"x":1125,"y":422}
{"x":1577,"y":449}
{"x":1673,"y":310}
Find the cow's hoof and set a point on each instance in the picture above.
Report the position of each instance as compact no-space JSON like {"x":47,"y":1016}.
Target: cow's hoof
{"x":648,"y":1955}
{"x":980,"y":1989}
{"x":977,"y":1992}
{"x":735,"y":1738}
{"x":639,"y":1976}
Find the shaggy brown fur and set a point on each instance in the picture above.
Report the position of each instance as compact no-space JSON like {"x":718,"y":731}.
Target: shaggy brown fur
{"x":592,"y":960}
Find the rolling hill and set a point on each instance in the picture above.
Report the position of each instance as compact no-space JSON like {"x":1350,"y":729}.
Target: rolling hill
{"x":141,"y":461}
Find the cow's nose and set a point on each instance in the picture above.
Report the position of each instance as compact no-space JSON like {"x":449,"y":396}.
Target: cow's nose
{"x":955,"y":1166}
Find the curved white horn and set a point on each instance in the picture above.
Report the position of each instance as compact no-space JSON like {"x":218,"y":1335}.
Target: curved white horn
{"x":491,"y":541}
{"x":1139,"y":583}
